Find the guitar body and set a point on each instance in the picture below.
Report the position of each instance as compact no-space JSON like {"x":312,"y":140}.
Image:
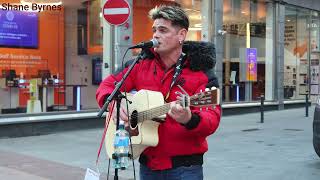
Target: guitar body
{"x":147,"y":105}
{"x":148,"y":130}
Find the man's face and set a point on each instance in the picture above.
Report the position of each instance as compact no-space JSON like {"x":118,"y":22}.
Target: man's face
{"x":167,"y":35}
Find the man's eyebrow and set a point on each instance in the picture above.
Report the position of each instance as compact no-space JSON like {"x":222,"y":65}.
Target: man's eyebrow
{"x":154,"y":27}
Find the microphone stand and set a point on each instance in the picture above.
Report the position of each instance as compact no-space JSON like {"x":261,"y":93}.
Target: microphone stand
{"x":117,"y":96}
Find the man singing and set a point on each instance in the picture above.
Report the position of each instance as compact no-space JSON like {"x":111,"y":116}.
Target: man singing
{"x":182,"y":136}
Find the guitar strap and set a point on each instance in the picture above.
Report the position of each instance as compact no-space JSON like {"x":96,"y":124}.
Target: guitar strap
{"x":177,"y":72}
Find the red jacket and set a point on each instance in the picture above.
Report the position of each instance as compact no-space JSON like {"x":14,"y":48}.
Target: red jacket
{"x":197,"y":74}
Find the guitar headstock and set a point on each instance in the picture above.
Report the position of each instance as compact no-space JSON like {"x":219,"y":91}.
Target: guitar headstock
{"x":207,"y":98}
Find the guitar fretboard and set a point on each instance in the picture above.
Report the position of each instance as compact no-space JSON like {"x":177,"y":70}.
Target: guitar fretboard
{"x":202,"y":99}
{"x":153,"y":112}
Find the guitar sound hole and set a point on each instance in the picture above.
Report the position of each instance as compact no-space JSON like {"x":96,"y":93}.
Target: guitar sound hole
{"x":134,"y":119}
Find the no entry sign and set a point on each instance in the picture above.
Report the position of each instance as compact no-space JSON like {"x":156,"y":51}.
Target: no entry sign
{"x":116,"y":12}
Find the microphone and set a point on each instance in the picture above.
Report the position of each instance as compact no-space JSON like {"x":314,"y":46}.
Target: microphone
{"x":148,"y":44}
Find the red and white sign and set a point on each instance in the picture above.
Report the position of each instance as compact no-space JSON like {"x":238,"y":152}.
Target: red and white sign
{"x":116,"y":12}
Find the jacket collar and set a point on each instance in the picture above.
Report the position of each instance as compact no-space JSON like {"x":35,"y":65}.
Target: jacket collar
{"x":201,"y":55}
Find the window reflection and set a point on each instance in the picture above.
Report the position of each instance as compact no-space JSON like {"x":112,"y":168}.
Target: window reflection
{"x":296,"y":53}
{"x":245,"y":24}
{"x":95,"y":28}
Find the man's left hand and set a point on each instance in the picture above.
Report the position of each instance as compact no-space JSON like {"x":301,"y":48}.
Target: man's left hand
{"x":180,"y":114}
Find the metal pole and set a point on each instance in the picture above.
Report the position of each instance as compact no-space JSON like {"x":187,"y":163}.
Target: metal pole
{"x":262,"y":109}
{"x":307,"y":106}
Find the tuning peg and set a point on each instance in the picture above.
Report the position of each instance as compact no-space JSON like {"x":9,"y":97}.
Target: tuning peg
{"x":207,"y":109}
{"x":213,"y":88}
{"x":207,"y":89}
{"x":185,"y":92}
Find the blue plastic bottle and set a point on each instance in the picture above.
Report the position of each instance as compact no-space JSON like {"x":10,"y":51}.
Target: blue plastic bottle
{"x":121,"y":148}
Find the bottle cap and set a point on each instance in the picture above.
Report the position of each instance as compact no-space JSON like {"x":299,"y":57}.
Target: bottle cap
{"x":121,"y":122}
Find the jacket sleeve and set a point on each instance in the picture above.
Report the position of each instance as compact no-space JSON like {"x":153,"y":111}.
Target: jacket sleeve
{"x":108,"y":84}
{"x":204,"y":122}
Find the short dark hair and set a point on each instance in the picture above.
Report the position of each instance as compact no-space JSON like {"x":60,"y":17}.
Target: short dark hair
{"x":175,"y":14}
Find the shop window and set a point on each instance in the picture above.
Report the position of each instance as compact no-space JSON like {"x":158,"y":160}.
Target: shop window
{"x":297,"y":53}
{"x":243,"y":74}
{"x":82,"y":32}
{"x":22,"y":60}
{"x":94,"y":27}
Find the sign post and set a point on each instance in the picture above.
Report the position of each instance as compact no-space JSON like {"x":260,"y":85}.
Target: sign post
{"x":116,"y":12}
{"x":117,"y":29}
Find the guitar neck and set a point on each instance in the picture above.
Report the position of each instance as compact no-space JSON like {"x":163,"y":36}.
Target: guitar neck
{"x":153,"y":112}
{"x":202,"y":99}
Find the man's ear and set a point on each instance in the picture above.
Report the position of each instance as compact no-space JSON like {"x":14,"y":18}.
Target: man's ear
{"x":182,"y":34}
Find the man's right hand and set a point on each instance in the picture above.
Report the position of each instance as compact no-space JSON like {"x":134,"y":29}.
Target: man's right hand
{"x":123,"y":112}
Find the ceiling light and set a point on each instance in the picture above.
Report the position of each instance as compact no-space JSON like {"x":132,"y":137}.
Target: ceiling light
{"x":194,"y":29}
{"x":198,"y":25}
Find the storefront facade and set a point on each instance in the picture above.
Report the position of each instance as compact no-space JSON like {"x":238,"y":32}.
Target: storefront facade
{"x":54,"y":60}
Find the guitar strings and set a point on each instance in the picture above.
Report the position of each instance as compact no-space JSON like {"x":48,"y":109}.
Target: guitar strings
{"x":148,"y":114}
{"x":151,"y":112}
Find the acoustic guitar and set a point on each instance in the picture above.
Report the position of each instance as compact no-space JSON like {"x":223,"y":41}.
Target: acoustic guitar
{"x":144,"y":112}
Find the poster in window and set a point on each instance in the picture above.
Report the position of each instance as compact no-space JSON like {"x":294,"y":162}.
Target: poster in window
{"x":251,"y":64}
{"x":303,"y":66}
{"x":290,"y":76}
{"x":96,"y":71}
{"x":314,"y":89}
{"x":314,"y":71}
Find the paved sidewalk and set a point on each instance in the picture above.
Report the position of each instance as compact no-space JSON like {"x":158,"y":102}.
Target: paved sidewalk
{"x":280,"y":148}
{"x":15,"y":166}
{"x":241,"y":149}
